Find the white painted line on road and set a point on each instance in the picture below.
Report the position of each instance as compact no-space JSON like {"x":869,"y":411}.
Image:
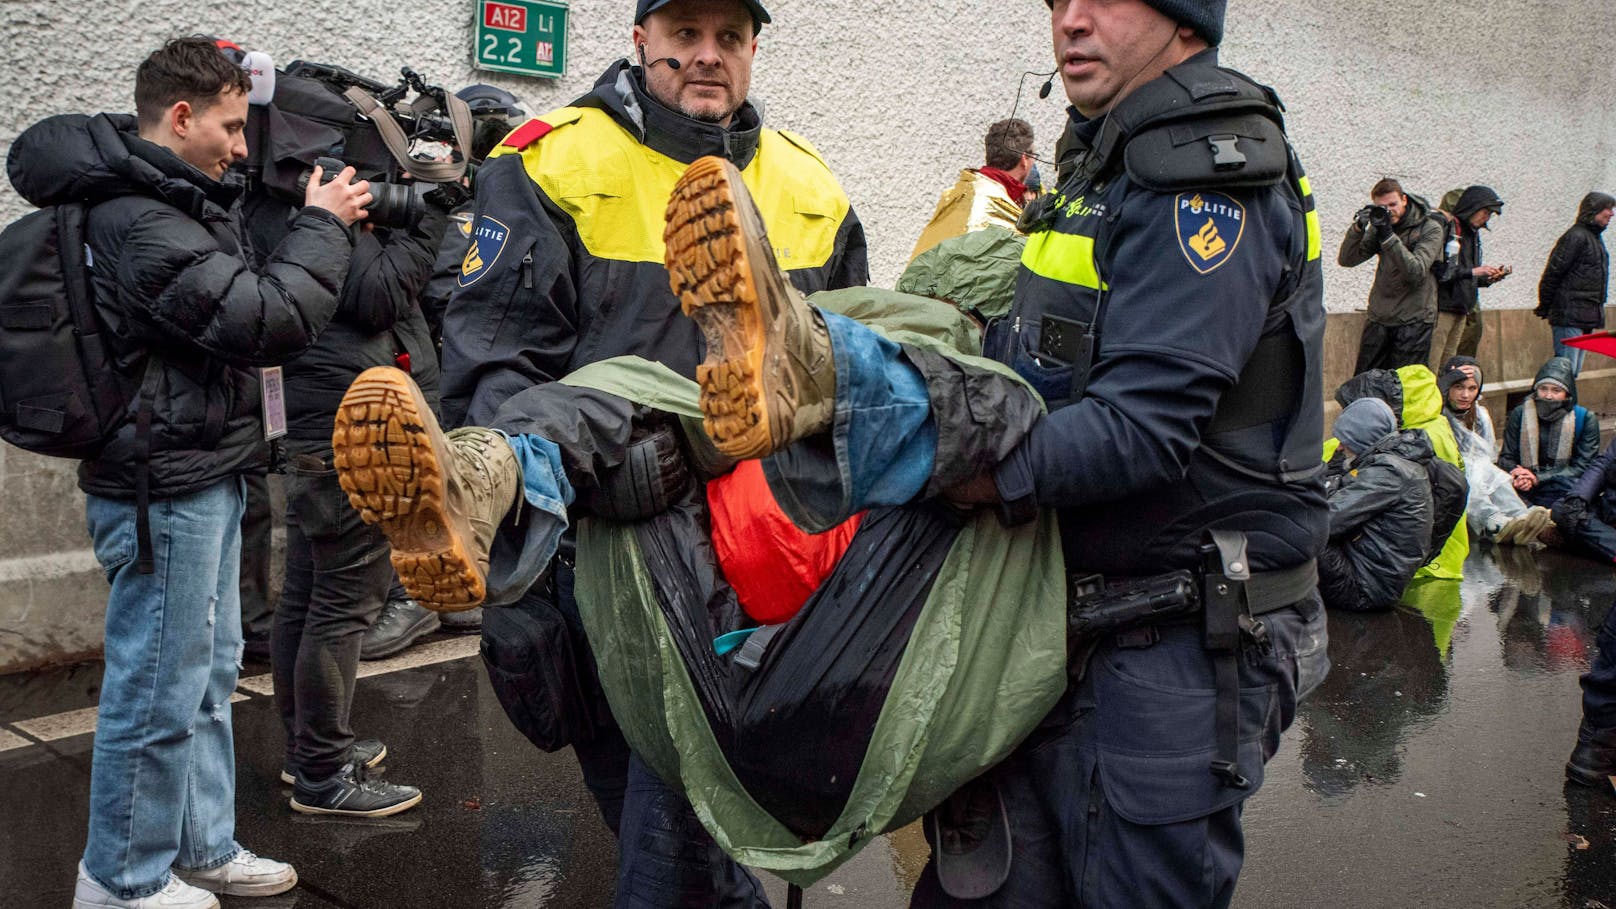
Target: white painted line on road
{"x":60,"y":725}
{"x":414,"y":658}
{"x":10,"y":740}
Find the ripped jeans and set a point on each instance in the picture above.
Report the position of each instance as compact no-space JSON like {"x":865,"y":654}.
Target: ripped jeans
{"x":163,"y":776}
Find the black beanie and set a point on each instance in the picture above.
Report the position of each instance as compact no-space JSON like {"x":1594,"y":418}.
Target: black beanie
{"x":1205,"y":16}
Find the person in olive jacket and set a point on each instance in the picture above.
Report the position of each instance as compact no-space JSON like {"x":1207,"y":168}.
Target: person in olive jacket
{"x":1576,"y":279}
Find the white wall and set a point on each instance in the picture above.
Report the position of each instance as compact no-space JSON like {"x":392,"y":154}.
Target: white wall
{"x":897,"y":93}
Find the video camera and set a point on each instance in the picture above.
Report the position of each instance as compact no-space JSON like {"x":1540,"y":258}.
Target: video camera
{"x":321,"y":111}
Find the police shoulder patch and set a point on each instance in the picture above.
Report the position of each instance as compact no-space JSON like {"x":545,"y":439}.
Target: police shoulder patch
{"x":1209,"y":226}
{"x":488,"y":239}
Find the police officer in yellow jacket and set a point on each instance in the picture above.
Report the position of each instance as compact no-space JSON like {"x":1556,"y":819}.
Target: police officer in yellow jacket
{"x":564,"y":269}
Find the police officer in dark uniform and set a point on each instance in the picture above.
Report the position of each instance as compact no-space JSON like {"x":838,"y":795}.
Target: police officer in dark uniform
{"x":1169,"y":310}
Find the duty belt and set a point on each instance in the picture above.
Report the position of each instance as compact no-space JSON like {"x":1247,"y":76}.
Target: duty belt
{"x":1226,"y":594}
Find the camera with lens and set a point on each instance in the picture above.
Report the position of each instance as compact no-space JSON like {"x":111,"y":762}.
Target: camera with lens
{"x":1373,"y":216}
{"x":328,"y":115}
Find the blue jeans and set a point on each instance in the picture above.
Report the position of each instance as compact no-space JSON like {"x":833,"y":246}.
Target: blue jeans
{"x":163,"y":777}
{"x":882,"y":443}
{"x":1574,"y":354}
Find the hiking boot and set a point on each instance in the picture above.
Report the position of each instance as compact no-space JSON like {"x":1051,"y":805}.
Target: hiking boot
{"x":768,"y":378}
{"x":368,"y":752}
{"x":1593,"y":761}
{"x":176,"y":894}
{"x":439,"y":499}
{"x":244,"y":875}
{"x":1525,"y":528}
{"x":349,"y":792}
{"x":401,"y":623}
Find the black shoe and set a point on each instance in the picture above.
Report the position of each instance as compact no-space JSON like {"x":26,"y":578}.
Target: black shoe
{"x":402,"y":623}
{"x":465,"y":621}
{"x":350,"y":793}
{"x":1591,"y":765}
{"x":368,"y":752}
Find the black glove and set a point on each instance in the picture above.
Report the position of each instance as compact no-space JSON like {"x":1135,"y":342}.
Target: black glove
{"x":1570,"y":513}
{"x":653,"y":476}
{"x":1361,"y":218}
{"x":1380,"y":217}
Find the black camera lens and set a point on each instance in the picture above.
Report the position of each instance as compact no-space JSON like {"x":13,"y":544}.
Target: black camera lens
{"x":393,"y":205}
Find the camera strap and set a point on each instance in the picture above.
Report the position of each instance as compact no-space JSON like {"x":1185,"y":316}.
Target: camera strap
{"x":399,"y":144}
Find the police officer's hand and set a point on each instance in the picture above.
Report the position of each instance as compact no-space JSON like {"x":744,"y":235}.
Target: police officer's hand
{"x":979,"y":490}
{"x":340,"y":197}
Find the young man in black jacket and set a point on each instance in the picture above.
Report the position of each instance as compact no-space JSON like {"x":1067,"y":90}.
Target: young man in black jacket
{"x":190,"y":321}
{"x":1576,"y":279}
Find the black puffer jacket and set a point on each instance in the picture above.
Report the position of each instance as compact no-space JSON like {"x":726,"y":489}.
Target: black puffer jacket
{"x":1576,"y":278}
{"x":173,"y":277}
{"x":377,"y":318}
{"x":1382,"y":511}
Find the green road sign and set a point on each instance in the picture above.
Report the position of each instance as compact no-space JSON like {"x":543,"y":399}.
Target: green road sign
{"x":521,"y":36}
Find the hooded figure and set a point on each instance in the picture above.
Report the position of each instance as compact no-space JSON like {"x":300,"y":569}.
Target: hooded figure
{"x":1412,"y":394}
{"x":1572,"y":293}
{"x":1380,"y":510}
{"x":1459,"y":324}
{"x":1549,"y":440}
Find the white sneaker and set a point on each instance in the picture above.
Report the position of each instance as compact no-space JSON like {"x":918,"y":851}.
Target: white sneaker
{"x":244,"y":875}
{"x":176,"y":895}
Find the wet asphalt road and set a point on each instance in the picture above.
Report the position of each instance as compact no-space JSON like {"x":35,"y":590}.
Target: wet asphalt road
{"x":1426,"y":771}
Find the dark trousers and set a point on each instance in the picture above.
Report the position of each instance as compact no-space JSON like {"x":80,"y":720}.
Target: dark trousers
{"x":1338,"y":583}
{"x":1111,"y":803}
{"x":337,"y":575}
{"x":1599,"y":684}
{"x":1594,"y":538}
{"x":1391,"y":346}
{"x":257,"y":612}
{"x":1549,"y":491}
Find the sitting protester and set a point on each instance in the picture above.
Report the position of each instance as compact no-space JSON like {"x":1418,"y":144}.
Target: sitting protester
{"x":1412,"y":393}
{"x":1460,"y":383}
{"x":1380,"y":510}
{"x":1494,"y":509}
{"x":1586,"y":515}
{"x":1549,"y":440}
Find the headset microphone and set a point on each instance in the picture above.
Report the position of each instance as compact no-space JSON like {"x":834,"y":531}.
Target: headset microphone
{"x":1048,"y":84}
{"x":673,"y":64}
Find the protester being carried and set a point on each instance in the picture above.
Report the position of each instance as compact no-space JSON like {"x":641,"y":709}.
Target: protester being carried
{"x":1549,"y":440}
{"x":1380,"y":510}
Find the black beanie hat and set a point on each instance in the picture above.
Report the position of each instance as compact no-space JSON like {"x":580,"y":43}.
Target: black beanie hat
{"x":1205,"y":16}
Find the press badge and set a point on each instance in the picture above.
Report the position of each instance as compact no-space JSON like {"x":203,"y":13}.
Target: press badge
{"x":273,"y":386}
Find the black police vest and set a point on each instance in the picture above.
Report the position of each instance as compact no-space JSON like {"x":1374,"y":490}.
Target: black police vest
{"x":1200,"y":127}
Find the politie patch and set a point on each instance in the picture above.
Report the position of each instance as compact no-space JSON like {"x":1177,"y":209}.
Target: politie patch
{"x":1209,"y":227}
{"x":488,"y":239}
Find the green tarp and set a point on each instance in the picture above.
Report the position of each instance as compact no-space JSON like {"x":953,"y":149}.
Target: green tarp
{"x":985,"y":663}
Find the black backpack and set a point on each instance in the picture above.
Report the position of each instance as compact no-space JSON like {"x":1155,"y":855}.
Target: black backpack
{"x":1449,"y":490}
{"x":60,"y":393}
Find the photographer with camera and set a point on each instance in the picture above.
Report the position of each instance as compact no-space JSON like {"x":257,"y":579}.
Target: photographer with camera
{"x":1407,"y":237}
{"x":338,"y":574}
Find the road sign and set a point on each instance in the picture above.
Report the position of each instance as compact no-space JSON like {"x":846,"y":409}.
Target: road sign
{"x":521,"y":36}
